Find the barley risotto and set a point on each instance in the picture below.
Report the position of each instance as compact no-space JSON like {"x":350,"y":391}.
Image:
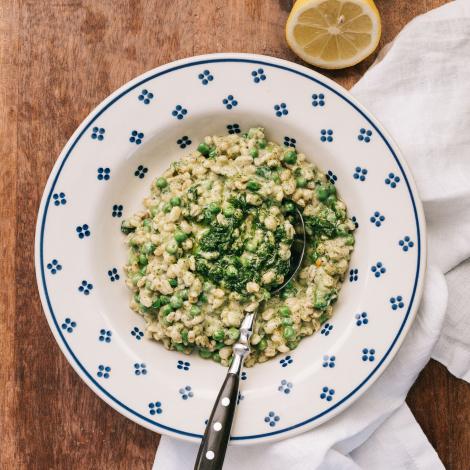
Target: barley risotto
{"x":214,"y":240}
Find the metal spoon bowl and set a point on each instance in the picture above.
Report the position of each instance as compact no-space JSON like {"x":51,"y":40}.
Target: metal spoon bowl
{"x":213,"y":447}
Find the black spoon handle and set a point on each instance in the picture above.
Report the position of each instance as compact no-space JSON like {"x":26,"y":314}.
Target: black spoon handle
{"x":211,"y":453}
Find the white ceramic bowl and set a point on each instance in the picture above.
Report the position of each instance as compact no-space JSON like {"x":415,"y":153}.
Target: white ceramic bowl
{"x":104,"y":172}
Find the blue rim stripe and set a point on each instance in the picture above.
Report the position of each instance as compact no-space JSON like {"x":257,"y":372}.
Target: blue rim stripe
{"x":97,"y":115}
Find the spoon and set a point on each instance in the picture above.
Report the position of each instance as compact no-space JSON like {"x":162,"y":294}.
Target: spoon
{"x":213,"y":447}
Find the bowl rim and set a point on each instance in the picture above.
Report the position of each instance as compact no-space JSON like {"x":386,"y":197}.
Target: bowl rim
{"x":335,"y":88}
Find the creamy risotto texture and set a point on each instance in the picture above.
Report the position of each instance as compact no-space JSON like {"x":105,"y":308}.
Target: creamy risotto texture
{"x":214,"y":239}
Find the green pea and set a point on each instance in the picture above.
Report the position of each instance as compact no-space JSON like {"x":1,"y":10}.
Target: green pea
{"x":262,"y":345}
{"x":184,"y":294}
{"x":216,"y":357}
{"x":288,"y":332}
{"x":166,"y":310}
{"x":219,"y":335}
{"x":229,"y":211}
{"x":292,"y":344}
{"x":143,"y":260}
{"x":262,"y":143}
{"x":137,"y":297}
{"x":143,"y":270}
{"x":148,"y":248}
{"x":301,"y":182}
{"x":156,"y":303}
{"x":203,"y":298}
{"x":233,"y":333}
{"x":147,"y":223}
{"x":176,"y":301}
{"x":213,"y":152}
{"x":331,"y":200}
{"x":203,"y":148}
{"x":179,"y":347}
{"x":284,"y":312}
{"x":184,"y":336}
{"x":205,"y":353}
{"x":287,"y":321}
{"x":164,"y":300}
{"x":175,"y":201}
{"x":332,"y":189}
{"x":322,"y":193}
{"x":136,"y":278}
{"x":161,"y":182}
{"x":290,"y":157}
{"x":194,"y":311}
{"x":231,"y":271}
{"x":323,"y":317}
{"x":173,"y":282}
{"x":254,"y":152}
{"x":167,"y":207}
{"x":180,"y":236}
{"x":253,"y":185}
{"x":213,"y":208}
{"x":171,"y":247}
{"x":153,"y":211}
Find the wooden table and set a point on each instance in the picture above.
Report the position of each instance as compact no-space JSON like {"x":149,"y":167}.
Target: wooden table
{"x":59,"y":59}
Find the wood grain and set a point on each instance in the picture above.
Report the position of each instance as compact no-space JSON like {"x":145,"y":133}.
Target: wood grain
{"x":59,"y":59}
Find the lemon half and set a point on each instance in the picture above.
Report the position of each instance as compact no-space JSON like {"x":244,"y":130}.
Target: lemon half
{"x":333,"y":34}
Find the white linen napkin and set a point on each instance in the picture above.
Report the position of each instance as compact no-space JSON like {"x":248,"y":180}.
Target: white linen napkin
{"x":420,"y":89}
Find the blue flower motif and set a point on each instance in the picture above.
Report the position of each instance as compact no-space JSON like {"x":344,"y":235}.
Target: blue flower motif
{"x":364,"y":135}
{"x":377,"y":218}
{"x":326,"y":329}
{"x":140,"y":369}
{"x":141,"y":171}
{"x":285,"y":361}
{"x":360,"y":173}
{"x":353,"y":275}
{"x":54,"y":266}
{"x":378,"y":269}
{"x":117,"y":210}
{"x":137,"y":333}
{"x":244,"y":375}
{"x":136,"y":137}
{"x":240,"y":397}
{"x":68,"y":325}
{"x":145,"y":96}
{"x":105,"y":336}
{"x":355,"y":221}
{"x":328,"y":361}
{"x":289,"y":142}
{"x":281,"y":109}
{"x":361,"y":319}
{"x":103,"y":174}
{"x":113,"y":274}
{"x":327,"y":393}
{"x":233,"y":128}
{"x":258,"y":75}
{"x":183,"y":365}
{"x":155,"y":408}
{"x":83,"y":231}
{"x":186,"y":392}
{"x":368,"y":355}
{"x":326,"y":135}
{"x":392,"y":180}
{"x":406,"y":243}
{"x":285,"y":387}
{"x":397,"y":302}
{"x":318,"y":100}
{"x":184,"y":142}
{"x":179,"y":112}
{"x":59,"y":199}
{"x":97,"y":133}
{"x":205,"y":77}
{"x":230,"y":102}
{"x":331,"y":177}
{"x":85,"y":288}
{"x":271,"y":419}
{"x":103,"y":371}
